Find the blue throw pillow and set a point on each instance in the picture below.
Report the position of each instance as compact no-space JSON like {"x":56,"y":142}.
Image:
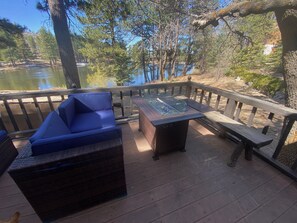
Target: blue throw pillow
{"x":87,"y":102}
{"x":67,"y":110}
{"x":52,"y":126}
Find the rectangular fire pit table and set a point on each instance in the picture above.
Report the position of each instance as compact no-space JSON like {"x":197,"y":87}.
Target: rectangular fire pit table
{"x":164,"y":122}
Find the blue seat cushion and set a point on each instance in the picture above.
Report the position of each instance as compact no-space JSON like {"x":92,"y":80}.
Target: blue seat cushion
{"x":67,"y":110}
{"x":86,"y":121}
{"x":58,"y":143}
{"x":52,"y":126}
{"x":87,"y":102}
{"x":3,"y":134}
{"x":107,"y":118}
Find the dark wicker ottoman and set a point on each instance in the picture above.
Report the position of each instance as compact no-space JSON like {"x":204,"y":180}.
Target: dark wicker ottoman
{"x":61,"y":183}
{"x":7,"y":153}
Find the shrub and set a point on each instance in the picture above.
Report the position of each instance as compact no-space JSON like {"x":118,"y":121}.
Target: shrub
{"x":265,"y":83}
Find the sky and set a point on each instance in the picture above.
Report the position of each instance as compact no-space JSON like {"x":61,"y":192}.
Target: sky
{"x":24,"y":12}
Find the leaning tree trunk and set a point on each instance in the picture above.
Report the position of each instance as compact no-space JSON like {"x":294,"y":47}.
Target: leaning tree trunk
{"x":287,"y":22}
{"x":58,"y":15}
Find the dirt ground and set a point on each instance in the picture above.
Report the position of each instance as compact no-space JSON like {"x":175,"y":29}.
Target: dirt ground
{"x":230,"y":84}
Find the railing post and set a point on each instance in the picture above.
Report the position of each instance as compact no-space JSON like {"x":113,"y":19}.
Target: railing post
{"x":189,"y":87}
{"x":288,"y":124}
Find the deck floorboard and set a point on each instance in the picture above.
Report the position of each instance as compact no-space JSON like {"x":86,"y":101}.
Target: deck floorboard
{"x":195,"y":186}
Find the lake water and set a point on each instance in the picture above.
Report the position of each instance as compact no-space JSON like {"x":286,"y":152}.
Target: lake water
{"x":34,"y":78}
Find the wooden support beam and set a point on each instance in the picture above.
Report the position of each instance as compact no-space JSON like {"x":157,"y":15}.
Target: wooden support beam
{"x":286,"y":130}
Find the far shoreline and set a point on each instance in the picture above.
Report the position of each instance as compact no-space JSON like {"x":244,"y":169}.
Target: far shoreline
{"x":26,"y":65}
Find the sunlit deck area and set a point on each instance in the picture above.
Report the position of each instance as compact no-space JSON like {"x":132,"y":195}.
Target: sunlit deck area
{"x":195,"y":186}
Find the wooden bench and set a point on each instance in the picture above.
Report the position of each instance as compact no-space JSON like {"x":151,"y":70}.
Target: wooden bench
{"x":249,"y":138}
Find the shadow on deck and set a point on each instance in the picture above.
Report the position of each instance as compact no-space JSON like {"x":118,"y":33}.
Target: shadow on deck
{"x":196,"y":186}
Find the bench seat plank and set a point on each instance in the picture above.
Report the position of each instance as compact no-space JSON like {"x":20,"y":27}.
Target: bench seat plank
{"x":247,"y":134}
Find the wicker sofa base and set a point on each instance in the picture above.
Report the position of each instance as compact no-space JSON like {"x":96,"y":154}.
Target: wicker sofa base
{"x":62,"y":183}
{"x":7,"y":154}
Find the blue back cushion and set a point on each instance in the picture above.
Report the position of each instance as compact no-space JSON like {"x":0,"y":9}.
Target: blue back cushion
{"x":88,"y":102}
{"x":67,"y":110}
{"x":85,"y":122}
{"x":52,"y":126}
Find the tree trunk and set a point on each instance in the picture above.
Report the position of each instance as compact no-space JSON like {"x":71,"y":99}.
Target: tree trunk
{"x":187,"y":62}
{"x":62,"y":34}
{"x":163,"y":66}
{"x":143,"y":62}
{"x":287,"y":22}
{"x":172,"y":74}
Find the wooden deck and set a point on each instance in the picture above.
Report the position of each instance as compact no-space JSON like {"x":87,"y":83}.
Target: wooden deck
{"x":196,"y":186}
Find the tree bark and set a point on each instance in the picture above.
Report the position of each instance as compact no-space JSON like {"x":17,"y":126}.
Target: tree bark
{"x":243,"y":9}
{"x":188,"y":58}
{"x":143,"y":62}
{"x":287,"y":22}
{"x":58,"y":15}
{"x":172,"y":74}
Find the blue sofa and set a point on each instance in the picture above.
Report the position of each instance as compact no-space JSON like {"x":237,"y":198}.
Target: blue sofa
{"x":82,"y":119}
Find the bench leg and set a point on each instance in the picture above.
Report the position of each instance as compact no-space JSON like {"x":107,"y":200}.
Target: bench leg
{"x":248,"y":152}
{"x":235,"y":155}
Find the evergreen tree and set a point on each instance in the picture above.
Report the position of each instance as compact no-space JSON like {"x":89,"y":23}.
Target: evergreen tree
{"x":23,"y":50}
{"x":8,"y":31}
{"x":47,"y":45}
{"x":30,"y":39}
{"x":106,"y":48}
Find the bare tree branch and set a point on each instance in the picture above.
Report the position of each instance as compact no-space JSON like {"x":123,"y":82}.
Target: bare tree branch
{"x":241,"y":35}
{"x":242,"y":9}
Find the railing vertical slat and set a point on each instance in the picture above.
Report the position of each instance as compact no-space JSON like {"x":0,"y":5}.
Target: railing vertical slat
{"x":180,"y":90}
{"x":50,"y":103}
{"x":195,"y":94}
{"x":139,"y":93}
{"x":25,"y":114}
{"x":38,"y":110}
{"x":172,"y":90}
{"x":217,"y":102}
{"x":266,"y":127}
{"x":131,"y":103}
{"x":209,"y":98}
{"x":202,"y":96}
{"x":236,"y":117}
{"x":10,"y":114}
{"x":122,"y":104}
{"x":252,"y":116}
{"x":62,"y":97}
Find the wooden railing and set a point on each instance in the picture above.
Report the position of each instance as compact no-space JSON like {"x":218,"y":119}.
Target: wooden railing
{"x":22,"y":113}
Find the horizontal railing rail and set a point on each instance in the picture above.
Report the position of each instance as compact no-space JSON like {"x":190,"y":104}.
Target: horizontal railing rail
{"x":22,"y":113}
